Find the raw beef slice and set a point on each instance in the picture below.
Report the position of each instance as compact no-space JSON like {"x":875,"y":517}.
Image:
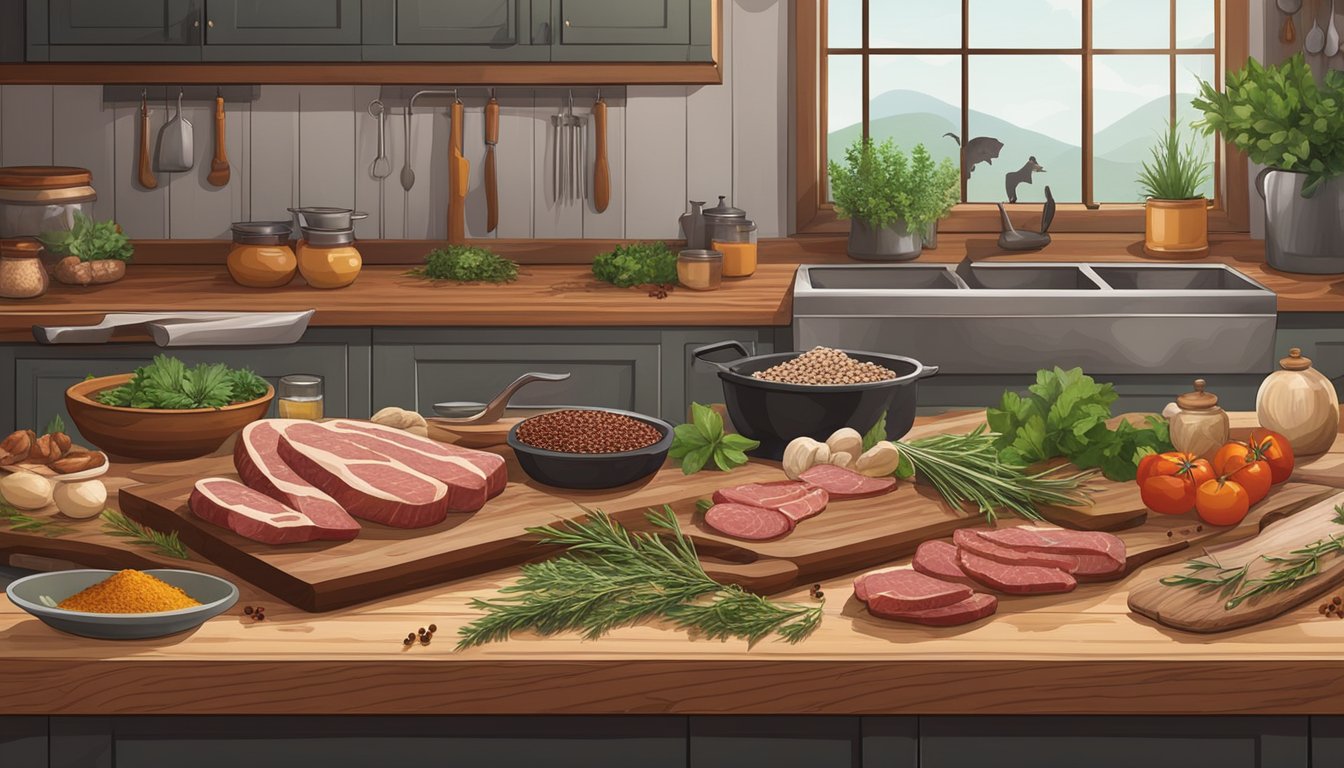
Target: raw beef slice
{"x":1099,"y":554}
{"x":261,"y":468}
{"x":1015,"y":579}
{"x":449,"y":463}
{"x":973,"y":608}
{"x":904,"y":589}
{"x":939,"y":560}
{"x":742,"y":521}
{"x":970,"y":541}
{"x":368,"y":484}
{"x":254,"y":515}
{"x":798,"y":501}
{"x":842,"y":483}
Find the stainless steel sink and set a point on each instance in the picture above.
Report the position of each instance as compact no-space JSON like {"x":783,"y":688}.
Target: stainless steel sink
{"x":1009,"y":318}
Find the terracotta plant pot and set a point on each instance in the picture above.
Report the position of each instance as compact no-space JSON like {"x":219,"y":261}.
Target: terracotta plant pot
{"x":1176,"y":229}
{"x":151,"y":433}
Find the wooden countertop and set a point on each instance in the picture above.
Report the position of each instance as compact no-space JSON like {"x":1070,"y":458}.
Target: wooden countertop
{"x":566,"y":295}
{"x":1081,"y":653}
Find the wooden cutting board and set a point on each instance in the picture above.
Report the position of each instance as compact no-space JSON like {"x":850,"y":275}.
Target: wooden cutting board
{"x":1200,"y":610}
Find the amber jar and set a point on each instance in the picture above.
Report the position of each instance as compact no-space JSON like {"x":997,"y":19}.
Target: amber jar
{"x":329,"y":259}
{"x":261,"y":256}
{"x":22,"y":274}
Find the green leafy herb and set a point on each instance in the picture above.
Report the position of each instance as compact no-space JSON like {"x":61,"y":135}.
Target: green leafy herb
{"x":879,"y":185}
{"x":1209,"y":576}
{"x":703,"y":505}
{"x":57,"y":424}
{"x":698,"y":443}
{"x":167,"y":383}
{"x":1177,"y":171}
{"x":21,"y":523}
{"x":467,"y":264}
{"x":89,"y":240}
{"x":117,"y":524}
{"x":610,"y":578}
{"x":1064,"y":414}
{"x":246,"y":384}
{"x":637,"y":264}
{"x":876,"y":434}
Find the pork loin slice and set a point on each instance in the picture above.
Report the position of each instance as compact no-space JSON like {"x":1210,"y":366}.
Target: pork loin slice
{"x":252,"y":514}
{"x":256,"y":457}
{"x":743,"y":521}
{"x":939,"y":559}
{"x":368,"y":484}
{"x":908,"y":590}
{"x":970,"y":541}
{"x":438,"y":460}
{"x":1015,"y":579}
{"x":973,"y":608}
{"x":842,"y":483}
{"x":798,"y":501}
{"x":1099,"y":554}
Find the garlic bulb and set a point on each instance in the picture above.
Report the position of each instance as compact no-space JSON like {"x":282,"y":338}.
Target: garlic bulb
{"x":800,"y":455}
{"x":845,"y":441}
{"x":879,"y":461}
{"x":81,"y":499}
{"x":26,"y":490}
{"x":1301,"y":404}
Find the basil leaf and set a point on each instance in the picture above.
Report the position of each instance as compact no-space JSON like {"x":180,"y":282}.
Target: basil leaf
{"x":739,"y":443}
{"x":708,"y":421}
{"x":905,"y":470}
{"x":696,"y":460}
{"x":877,"y":433}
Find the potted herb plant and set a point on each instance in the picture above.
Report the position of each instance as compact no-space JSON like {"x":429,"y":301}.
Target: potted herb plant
{"x":1282,"y":118}
{"x":893,"y":201}
{"x":93,"y":251}
{"x":1176,"y":212}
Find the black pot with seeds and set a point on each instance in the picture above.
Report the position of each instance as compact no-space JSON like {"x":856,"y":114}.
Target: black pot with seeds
{"x":590,"y":448}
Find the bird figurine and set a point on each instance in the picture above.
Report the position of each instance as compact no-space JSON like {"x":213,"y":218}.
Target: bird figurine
{"x":1011,"y":239}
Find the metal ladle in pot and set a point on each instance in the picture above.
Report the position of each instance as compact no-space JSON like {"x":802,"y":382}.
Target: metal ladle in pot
{"x":492,"y":412}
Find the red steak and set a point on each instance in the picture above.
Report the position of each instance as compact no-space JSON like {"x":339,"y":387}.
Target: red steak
{"x":904,"y":589}
{"x":1099,"y":554}
{"x":798,"y":501}
{"x":842,"y":483}
{"x":1015,"y":579}
{"x":449,"y":463}
{"x":939,"y":560}
{"x":973,"y":608}
{"x":743,"y":521}
{"x":254,"y":515}
{"x":260,"y":466}
{"x":971,"y":541}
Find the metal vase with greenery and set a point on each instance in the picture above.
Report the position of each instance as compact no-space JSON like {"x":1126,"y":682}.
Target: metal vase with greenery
{"x":1176,"y":212}
{"x":892,"y":199}
{"x":1282,"y":118}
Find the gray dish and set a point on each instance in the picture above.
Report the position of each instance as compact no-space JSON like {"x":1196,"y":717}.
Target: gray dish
{"x":215,"y":595}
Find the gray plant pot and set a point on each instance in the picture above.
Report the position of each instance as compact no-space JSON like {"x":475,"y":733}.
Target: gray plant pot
{"x":894,"y":242}
{"x":1302,"y":234}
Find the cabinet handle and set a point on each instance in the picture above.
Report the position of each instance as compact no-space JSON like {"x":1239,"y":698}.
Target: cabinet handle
{"x":566,"y":22}
{"x":210,"y":23}
{"x":196,"y":24}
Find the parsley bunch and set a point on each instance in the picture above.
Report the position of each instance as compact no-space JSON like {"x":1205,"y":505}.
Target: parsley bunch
{"x":89,"y":240}
{"x":703,"y":440}
{"x":168,"y":384}
{"x":467,"y":264}
{"x":637,"y":264}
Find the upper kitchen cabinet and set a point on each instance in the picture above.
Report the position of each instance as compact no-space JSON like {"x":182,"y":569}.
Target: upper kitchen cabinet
{"x":126,"y":30}
{"x":456,"y":30}
{"x":293,"y":30}
{"x":632,"y":30}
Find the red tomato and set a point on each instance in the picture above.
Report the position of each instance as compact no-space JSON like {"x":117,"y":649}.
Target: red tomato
{"x":1174,"y":463}
{"x":1168,"y":494}
{"x":1275,"y":449}
{"x":1222,"y":502}
{"x":1256,"y":477}
{"x":1245,"y":464}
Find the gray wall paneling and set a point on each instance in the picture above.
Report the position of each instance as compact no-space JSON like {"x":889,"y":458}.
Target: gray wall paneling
{"x":655,"y":160}
{"x":551,"y":218}
{"x":516,"y":160}
{"x":25,"y":125}
{"x":273,"y":170}
{"x":196,"y":209}
{"x":760,"y":111}
{"x":142,"y":213}
{"x":327,"y":145}
{"x":711,"y":132}
{"x":83,"y":135}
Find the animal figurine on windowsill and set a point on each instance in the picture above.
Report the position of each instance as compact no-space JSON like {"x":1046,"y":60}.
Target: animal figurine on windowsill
{"x":1010,"y":239}
{"x":981,"y":149}
{"x":1020,"y":176}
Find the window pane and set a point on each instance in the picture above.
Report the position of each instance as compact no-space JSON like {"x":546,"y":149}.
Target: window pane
{"x":916,"y":100}
{"x":1131,"y":23}
{"x":1194,"y":23}
{"x":1026,"y":23}
{"x":1032,"y":106}
{"x":1131,"y":105}
{"x":914,"y":24}
{"x":1189,"y":71}
{"x":844,"y":23}
{"x":844,"y":104}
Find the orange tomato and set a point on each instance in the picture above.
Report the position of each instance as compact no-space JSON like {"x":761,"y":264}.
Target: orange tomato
{"x":1275,"y":449}
{"x":1168,"y":494}
{"x":1244,"y":463}
{"x":1174,"y":463}
{"x":1222,"y":502}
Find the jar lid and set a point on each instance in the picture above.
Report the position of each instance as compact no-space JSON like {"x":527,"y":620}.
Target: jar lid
{"x":328,"y":238}
{"x":724,"y":211}
{"x":300,"y":385}
{"x":1295,"y":361}
{"x":695,"y":254}
{"x":55,"y":196}
{"x":1199,"y":400}
{"x":261,"y":232}
{"x":44,"y":176}
{"x":20,"y":249}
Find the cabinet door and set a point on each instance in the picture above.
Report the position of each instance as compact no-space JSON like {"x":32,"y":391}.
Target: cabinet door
{"x":124,"y":22}
{"x":293,"y":22}
{"x":23,"y":742}
{"x":633,"y":30}
{"x":455,"y":30}
{"x":458,"y":22}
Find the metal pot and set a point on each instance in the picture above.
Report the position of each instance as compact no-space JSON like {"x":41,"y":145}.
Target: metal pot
{"x":1302,"y":234}
{"x":894,"y":242}
{"x":775,"y":413}
{"x":327,"y":219}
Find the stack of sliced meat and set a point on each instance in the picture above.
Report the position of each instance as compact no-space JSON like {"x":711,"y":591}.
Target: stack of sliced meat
{"x":907,"y":595}
{"x":760,"y":511}
{"x":304,"y":481}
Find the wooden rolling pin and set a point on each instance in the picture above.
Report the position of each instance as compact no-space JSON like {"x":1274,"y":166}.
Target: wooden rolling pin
{"x":601,"y":171}
{"x":458,"y":169}
{"x":145,"y":173}
{"x":491,"y":181}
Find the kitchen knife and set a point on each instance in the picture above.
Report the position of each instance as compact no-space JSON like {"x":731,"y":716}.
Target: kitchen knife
{"x":145,"y":173}
{"x":491,"y":182}
{"x":219,"y":165}
{"x":458,"y":169}
{"x":175,"y":329}
{"x":601,"y":172}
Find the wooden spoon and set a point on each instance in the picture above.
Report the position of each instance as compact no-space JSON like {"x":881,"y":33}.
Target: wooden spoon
{"x":219,"y":165}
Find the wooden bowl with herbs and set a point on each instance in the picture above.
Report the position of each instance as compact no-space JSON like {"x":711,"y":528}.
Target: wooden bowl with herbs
{"x":167,"y":410}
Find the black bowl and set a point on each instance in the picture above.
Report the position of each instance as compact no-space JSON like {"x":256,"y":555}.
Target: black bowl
{"x":593,"y":471}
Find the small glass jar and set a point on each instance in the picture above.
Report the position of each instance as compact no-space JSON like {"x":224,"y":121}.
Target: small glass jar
{"x":22,"y":274}
{"x":1199,"y":426}
{"x":261,"y":256}
{"x":737,"y":242}
{"x":35,"y":200}
{"x":700,"y":270}
{"x":300,"y":397}
{"x":329,"y":259}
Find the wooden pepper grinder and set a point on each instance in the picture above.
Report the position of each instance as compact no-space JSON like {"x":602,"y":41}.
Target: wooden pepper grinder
{"x":1199,"y":426}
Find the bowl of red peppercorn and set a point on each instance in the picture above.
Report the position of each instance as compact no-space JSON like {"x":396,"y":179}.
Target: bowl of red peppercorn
{"x":590,"y":448}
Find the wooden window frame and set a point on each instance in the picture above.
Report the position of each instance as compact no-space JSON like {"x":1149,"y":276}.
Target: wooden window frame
{"x":1229,"y":213}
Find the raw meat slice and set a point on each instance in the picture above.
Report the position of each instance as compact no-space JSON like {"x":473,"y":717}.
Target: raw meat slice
{"x":908,"y":590}
{"x":973,"y":608}
{"x":939,"y":560}
{"x":969,"y":541}
{"x":1099,"y":554}
{"x":842,"y":483}
{"x":797,"y":500}
{"x":440,"y":460}
{"x":261,"y":468}
{"x":743,"y":521}
{"x":1015,"y":579}
{"x":811,"y":504}
{"x":250,"y":513}
{"x":368,"y":484}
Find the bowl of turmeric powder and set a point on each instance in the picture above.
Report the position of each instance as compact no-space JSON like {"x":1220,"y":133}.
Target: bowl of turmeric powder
{"x":123,"y":605}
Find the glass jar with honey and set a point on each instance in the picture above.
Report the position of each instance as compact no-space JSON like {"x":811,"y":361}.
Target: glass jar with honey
{"x":300,"y":397}
{"x":731,"y":233}
{"x":261,"y":256}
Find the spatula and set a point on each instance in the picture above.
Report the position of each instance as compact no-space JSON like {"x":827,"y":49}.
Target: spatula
{"x":176,"y":153}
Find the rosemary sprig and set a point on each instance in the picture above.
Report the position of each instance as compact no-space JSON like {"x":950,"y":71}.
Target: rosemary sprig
{"x":1225,"y":580}
{"x":21,"y":523}
{"x":117,"y":524}
{"x":612,"y":578}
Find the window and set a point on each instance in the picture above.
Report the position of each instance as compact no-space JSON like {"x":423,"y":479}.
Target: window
{"x":1022,"y":94}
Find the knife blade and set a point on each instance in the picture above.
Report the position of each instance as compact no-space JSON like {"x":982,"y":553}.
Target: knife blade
{"x":491,"y":181}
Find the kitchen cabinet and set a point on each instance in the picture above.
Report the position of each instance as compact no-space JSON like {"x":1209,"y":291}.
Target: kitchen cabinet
{"x":456,"y":30}
{"x":23,"y":742}
{"x":306,"y":30}
{"x":127,"y":30}
{"x":778,"y":742}
{"x":632,"y":30}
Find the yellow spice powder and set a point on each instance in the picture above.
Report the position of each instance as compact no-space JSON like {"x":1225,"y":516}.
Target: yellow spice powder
{"x":129,"y":591}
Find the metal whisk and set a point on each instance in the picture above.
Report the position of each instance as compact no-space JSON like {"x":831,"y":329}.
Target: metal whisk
{"x":569,"y":144}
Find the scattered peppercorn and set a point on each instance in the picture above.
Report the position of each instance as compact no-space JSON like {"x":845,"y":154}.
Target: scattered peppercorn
{"x":247,"y":611}
{"x":1324,"y":609}
{"x":820,"y":594}
{"x":1169,"y":534}
{"x":407,"y":642}
{"x":421,"y":632}
{"x":433,"y":628}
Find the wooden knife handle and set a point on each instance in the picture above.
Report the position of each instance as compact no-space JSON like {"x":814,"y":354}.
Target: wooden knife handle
{"x":145,"y":172}
{"x":601,"y":171}
{"x":221,"y":153}
{"x":491,"y":191}
{"x":492,"y":121}
{"x":457,"y":181}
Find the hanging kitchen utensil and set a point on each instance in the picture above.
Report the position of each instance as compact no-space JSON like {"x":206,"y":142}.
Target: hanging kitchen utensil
{"x":407,"y":175}
{"x":176,"y":153}
{"x":491,"y":181}
{"x":382,"y":167}
{"x":601,"y":171}
{"x":1331,"y":35}
{"x":458,"y":170}
{"x":145,"y":170}
{"x":1316,"y":37}
{"x":570,"y":167}
{"x":1289,"y":8}
{"x":219,"y":164}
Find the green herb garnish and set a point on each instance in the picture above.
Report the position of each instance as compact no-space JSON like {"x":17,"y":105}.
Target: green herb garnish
{"x":637,"y":264}
{"x":1175,"y":171}
{"x":467,"y":264}
{"x":89,"y":240}
{"x":118,"y":524}
{"x":610,"y":578}
{"x":57,"y":424}
{"x":20,"y":523}
{"x":703,"y":440}
{"x":167,"y":383}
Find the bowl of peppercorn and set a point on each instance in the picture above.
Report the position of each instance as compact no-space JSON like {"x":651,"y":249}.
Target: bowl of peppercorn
{"x":590,"y":448}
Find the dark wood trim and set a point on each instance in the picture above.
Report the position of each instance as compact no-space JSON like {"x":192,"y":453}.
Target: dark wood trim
{"x":1235,"y":18}
{"x":1089,"y":124}
{"x":808,"y":80}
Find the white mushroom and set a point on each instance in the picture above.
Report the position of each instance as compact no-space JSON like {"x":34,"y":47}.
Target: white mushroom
{"x":800,"y":455}
{"x":845,"y":441}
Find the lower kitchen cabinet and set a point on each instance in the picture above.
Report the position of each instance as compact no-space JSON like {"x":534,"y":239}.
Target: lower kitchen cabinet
{"x":777,"y":742}
{"x":23,"y":742}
